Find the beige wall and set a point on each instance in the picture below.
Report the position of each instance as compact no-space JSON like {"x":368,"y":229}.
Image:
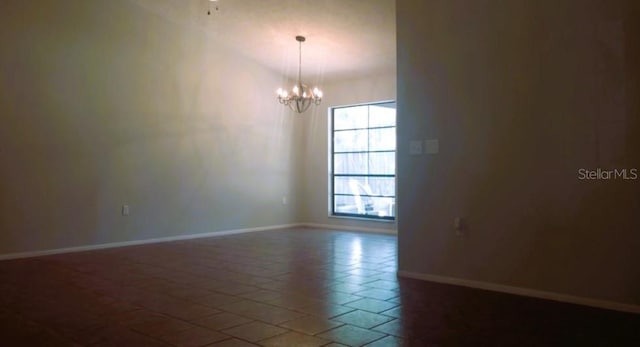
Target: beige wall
{"x":521,"y":94}
{"x":103,"y":103}
{"x":380,"y":86}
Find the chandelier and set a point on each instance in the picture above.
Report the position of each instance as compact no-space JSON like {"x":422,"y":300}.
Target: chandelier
{"x":301,"y":96}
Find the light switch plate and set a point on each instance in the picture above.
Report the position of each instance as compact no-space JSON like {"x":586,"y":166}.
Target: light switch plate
{"x":415,"y":147}
{"x":432,"y":146}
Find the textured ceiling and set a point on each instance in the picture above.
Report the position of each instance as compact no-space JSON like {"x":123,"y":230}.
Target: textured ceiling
{"x":344,"y":37}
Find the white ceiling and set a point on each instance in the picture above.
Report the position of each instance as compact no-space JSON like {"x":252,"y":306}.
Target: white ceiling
{"x":345,"y":38}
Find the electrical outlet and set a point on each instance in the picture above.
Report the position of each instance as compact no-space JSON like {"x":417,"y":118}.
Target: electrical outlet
{"x":415,"y":147}
{"x":125,"y":210}
{"x":284,"y":200}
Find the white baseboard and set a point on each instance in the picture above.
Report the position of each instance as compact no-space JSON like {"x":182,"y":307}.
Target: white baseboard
{"x":142,"y":242}
{"x":349,"y":228}
{"x":610,"y":305}
{"x":181,"y":237}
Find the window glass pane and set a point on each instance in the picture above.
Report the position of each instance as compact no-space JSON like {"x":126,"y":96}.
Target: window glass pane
{"x":382,"y":163}
{"x":350,"y":117}
{"x":367,"y":206}
{"x":349,"y":185}
{"x":341,"y":185}
{"x":350,"y":140}
{"x":350,"y":163}
{"x":382,"y":139}
{"x":345,"y":204}
{"x":381,"y":207}
{"x":363,"y":185}
{"x":382,"y":185}
{"x":382,"y":115}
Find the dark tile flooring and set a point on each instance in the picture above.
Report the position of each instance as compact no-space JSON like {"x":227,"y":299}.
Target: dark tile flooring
{"x":299,"y":287}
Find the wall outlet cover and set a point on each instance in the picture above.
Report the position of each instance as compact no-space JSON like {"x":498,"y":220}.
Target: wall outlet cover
{"x":432,"y":146}
{"x":415,"y":147}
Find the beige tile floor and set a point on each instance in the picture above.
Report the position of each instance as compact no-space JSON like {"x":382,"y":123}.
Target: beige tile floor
{"x":294,"y":287}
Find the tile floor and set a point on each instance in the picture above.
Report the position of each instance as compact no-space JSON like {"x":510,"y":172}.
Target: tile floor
{"x":278,"y":288}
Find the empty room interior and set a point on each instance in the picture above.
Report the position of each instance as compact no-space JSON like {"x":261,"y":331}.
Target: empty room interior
{"x":319,"y":173}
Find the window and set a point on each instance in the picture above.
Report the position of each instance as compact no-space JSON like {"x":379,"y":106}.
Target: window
{"x":363,"y":159}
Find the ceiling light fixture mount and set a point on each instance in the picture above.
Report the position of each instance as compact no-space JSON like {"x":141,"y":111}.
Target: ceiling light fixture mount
{"x":301,"y":96}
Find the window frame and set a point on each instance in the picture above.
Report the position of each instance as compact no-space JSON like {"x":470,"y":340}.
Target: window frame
{"x":333,"y":175}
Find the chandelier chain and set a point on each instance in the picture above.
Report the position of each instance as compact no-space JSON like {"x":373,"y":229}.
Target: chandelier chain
{"x":299,"y":62}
